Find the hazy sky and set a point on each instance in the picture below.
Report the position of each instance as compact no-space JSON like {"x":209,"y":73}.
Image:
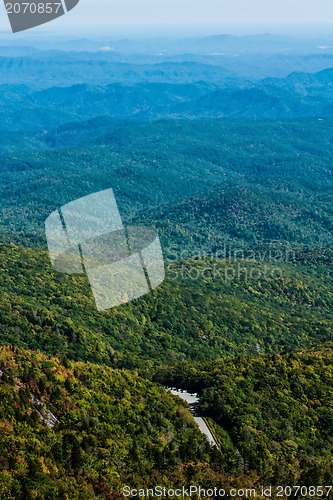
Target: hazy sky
{"x":163,"y":13}
{"x":208,"y":11}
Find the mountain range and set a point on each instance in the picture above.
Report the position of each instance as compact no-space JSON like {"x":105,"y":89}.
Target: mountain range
{"x":224,"y":145}
{"x":298,"y":95}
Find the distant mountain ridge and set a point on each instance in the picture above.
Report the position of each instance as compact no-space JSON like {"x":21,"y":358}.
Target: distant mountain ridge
{"x":46,"y":61}
{"x":265,"y":42}
{"x":298,"y":95}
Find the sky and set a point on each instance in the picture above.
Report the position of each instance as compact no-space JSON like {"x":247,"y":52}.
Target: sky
{"x":209,"y":11}
{"x":210,"y":15}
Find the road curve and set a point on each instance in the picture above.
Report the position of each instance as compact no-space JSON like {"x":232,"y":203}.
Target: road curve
{"x":192,"y":400}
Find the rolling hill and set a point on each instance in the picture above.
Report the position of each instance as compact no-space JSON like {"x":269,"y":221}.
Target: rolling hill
{"x":182,"y":176}
{"x":224,"y":144}
{"x":23,"y":107}
{"x":210,"y":308}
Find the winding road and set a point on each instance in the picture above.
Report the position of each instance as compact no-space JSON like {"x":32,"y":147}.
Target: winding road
{"x":193,"y":400}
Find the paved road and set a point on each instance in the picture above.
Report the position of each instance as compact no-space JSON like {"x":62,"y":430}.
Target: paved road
{"x":193,"y":400}
{"x":205,"y":430}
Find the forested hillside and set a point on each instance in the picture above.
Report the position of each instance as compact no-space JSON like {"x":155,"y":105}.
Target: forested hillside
{"x":112,"y":428}
{"x":276,"y":409}
{"x":192,"y":179}
{"x":205,"y":309}
{"x":224,"y":145}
